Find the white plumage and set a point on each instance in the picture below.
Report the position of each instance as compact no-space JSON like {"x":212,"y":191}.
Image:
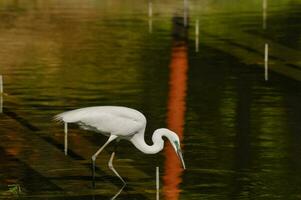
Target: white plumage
{"x":118,"y":122}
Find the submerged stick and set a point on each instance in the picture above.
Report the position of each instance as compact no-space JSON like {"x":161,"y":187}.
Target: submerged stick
{"x":157,"y":183}
{"x":66,"y":138}
{"x":266,"y":62}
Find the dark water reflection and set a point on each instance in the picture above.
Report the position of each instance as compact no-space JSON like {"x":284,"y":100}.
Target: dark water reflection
{"x":240,"y":134}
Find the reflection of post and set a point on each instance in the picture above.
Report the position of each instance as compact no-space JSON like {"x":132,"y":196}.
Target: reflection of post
{"x":197,"y":36}
{"x":264,"y":14}
{"x":185,"y":12}
{"x":175,"y":117}
{"x":150,"y":16}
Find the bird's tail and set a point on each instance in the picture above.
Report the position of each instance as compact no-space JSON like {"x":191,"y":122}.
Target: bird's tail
{"x":64,"y":117}
{"x":69,"y":116}
{"x":58,"y":118}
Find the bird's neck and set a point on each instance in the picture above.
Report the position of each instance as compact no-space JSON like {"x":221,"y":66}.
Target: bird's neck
{"x":139,"y":142}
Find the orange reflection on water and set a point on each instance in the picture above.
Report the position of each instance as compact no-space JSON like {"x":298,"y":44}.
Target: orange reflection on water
{"x":175,"y":118}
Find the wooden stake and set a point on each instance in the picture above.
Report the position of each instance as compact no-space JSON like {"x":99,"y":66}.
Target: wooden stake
{"x":185,"y":12}
{"x":66,"y":138}
{"x":197,"y":35}
{"x":1,"y":103}
{"x":157,"y":184}
{"x":1,"y":94}
{"x":1,"y":84}
{"x":265,"y":4}
{"x":150,"y":16}
{"x":150,"y":9}
{"x":266,"y":62}
{"x":264,"y":14}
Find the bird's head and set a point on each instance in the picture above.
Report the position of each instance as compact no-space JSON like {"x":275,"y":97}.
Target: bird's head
{"x":175,"y":142}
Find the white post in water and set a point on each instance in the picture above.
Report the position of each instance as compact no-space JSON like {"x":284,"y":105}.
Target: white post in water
{"x":197,"y":36}
{"x":66,"y":138}
{"x":1,"y":94}
{"x":264,"y":13}
{"x":157,"y":184}
{"x":150,"y":16}
{"x":185,"y":12}
{"x":1,"y":103}
{"x":1,"y":85}
{"x":266,"y":62}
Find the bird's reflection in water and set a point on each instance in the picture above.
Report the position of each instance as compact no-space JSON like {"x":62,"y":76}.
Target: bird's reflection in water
{"x":118,"y":193}
{"x":175,"y":118}
{"x":115,"y":196}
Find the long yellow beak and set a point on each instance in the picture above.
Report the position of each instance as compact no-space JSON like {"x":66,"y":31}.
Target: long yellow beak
{"x":179,"y":152}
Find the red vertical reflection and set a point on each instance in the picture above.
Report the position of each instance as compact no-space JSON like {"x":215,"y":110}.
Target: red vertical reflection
{"x":175,"y":118}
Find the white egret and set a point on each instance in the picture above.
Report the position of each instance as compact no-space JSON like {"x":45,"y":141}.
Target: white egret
{"x":117,"y":123}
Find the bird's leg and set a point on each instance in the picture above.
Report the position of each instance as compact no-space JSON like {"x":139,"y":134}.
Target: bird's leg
{"x":110,"y":164}
{"x":111,"y":138}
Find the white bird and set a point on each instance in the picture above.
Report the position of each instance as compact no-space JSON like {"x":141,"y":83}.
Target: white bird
{"x":117,"y":123}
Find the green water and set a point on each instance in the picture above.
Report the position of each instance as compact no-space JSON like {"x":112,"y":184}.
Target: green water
{"x":241,"y":134}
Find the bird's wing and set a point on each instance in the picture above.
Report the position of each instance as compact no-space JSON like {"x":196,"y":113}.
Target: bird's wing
{"x":111,"y":123}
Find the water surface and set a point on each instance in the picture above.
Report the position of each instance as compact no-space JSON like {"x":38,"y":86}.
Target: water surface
{"x":240,"y":134}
